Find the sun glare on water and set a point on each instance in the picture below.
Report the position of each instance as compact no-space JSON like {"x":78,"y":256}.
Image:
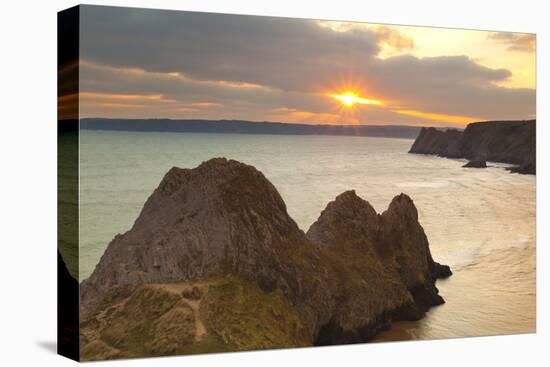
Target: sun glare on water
{"x":350,"y":99}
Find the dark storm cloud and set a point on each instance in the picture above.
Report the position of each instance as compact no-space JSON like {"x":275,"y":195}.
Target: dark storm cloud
{"x":293,"y":60}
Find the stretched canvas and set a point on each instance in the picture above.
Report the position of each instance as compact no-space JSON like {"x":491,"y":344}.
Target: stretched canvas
{"x":233,"y":183}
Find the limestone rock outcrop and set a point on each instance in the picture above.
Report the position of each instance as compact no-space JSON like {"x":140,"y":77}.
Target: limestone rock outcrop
{"x":210,"y":233}
{"x":221,"y":217}
{"x":393,"y":244}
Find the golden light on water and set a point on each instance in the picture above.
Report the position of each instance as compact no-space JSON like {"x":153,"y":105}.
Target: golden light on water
{"x":350,"y":99}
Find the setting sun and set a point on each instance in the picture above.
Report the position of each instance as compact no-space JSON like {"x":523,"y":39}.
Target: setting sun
{"x":350,"y":99}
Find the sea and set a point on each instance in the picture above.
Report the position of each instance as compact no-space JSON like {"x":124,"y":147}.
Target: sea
{"x":481,"y":222}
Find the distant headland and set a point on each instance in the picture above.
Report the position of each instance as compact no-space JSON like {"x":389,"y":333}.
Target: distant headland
{"x":248,"y":127}
{"x":512,"y":142}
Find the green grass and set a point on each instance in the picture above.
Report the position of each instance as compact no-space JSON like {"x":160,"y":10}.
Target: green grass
{"x":237,"y":315}
{"x":244,"y":316}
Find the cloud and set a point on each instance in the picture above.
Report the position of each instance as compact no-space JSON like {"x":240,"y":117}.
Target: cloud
{"x":233,"y":66}
{"x":290,"y":54}
{"x":171,"y":95}
{"x":169,"y":91}
{"x":389,"y":40}
{"x":453,"y":85}
{"x":524,"y":42}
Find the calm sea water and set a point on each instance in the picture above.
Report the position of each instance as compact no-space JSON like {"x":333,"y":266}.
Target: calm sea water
{"x":480,"y":222}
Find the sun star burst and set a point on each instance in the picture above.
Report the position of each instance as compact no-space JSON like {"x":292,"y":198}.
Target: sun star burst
{"x":350,"y":99}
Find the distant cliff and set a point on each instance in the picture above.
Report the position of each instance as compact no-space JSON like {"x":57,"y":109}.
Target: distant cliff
{"x":512,"y":142}
{"x":215,"y":263}
{"x":248,"y":127}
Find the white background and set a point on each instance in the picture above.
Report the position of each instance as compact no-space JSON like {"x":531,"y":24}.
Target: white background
{"x":28,"y":182}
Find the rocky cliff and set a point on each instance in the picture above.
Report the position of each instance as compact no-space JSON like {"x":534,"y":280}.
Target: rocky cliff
{"x":511,"y":142}
{"x":214,"y":263}
{"x":445,"y":143}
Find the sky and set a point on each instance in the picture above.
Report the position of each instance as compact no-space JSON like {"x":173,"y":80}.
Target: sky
{"x":139,"y":63}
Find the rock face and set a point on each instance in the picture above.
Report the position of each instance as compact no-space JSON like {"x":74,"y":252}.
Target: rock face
{"x":211,"y":233}
{"x":511,"y":142}
{"x":222,"y":217}
{"x":392,"y":246}
{"x":445,"y":143}
{"x":478,"y":163}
